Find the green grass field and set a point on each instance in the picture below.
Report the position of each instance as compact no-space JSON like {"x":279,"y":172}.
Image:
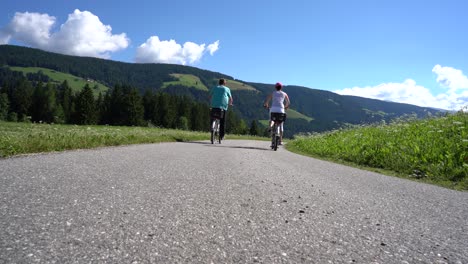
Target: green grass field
{"x":24,"y":138}
{"x":236,"y":85}
{"x":433,"y":150}
{"x":188,"y":80}
{"x":294,"y":114}
{"x":76,"y":83}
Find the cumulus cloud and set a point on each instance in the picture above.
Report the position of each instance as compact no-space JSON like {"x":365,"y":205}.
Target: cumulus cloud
{"x":31,"y":28}
{"x":411,"y":93}
{"x":155,"y":50}
{"x":83,"y":34}
{"x":212,"y":48}
{"x":450,"y":78}
{"x":406,"y":92}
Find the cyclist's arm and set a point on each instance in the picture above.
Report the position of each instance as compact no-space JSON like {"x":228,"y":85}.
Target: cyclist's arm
{"x":286,"y":106}
{"x":267,"y":100}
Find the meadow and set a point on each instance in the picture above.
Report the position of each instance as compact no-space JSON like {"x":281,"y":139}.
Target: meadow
{"x":432,"y":150}
{"x":75,"y":83}
{"x":24,"y":138}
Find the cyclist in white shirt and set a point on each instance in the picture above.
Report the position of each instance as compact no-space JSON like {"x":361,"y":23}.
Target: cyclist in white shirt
{"x":279,"y":103}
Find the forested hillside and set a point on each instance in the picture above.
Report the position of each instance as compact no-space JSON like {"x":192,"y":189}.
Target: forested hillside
{"x":314,"y":110}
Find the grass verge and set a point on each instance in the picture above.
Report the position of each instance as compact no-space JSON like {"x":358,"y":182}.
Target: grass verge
{"x":23,"y":138}
{"x":434,"y":150}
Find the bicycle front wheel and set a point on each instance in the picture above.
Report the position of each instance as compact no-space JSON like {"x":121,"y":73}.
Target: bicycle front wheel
{"x":213,"y":131}
{"x":277,"y":140}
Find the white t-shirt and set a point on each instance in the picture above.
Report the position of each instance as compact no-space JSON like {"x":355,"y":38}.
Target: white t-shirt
{"x":277,"y":102}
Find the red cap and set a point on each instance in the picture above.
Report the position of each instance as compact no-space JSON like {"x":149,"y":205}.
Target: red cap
{"x":278,"y":84}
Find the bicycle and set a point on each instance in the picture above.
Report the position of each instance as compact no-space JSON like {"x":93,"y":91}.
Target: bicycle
{"x":216,"y":114}
{"x":278,"y":119}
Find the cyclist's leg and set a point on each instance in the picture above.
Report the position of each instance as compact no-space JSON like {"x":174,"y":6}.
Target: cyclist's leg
{"x":222,"y":125}
{"x":211,"y":123}
{"x":271,"y":120}
{"x":281,"y":133}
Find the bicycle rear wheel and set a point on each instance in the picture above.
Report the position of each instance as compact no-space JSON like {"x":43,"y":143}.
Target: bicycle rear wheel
{"x":274,"y":143}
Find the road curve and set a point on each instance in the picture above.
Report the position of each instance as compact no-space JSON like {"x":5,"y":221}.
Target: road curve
{"x":238,"y":202}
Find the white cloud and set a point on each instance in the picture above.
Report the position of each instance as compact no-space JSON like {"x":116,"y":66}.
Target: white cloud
{"x":83,"y":34}
{"x":406,"y":92}
{"x":411,"y":93}
{"x":450,"y":78}
{"x":155,"y":50}
{"x":212,"y":48}
{"x":31,"y":28}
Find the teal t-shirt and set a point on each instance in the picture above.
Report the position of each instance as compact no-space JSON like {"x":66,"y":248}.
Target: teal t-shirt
{"x":220,"y":96}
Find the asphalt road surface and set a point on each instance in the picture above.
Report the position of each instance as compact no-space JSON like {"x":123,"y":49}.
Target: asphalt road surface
{"x":238,"y":202}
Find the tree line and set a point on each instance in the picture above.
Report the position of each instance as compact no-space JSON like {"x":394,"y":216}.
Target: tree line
{"x":35,"y":99}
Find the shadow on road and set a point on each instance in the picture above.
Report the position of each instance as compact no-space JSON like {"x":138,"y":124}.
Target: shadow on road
{"x":239,"y":147}
{"x":208,"y":144}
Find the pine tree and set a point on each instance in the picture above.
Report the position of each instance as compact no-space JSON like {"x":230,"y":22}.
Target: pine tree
{"x":200,"y":117}
{"x":254,"y":129}
{"x":116,"y":105}
{"x":66,"y":100}
{"x":4,"y":106}
{"x":51,"y":104}
{"x":99,"y":108}
{"x":133,"y":111}
{"x":59,"y":115}
{"x":182,"y":123}
{"x":105,"y":111}
{"x":232,"y":123}
{"x":242,"y":128}
{"x":85,"y":109}
{"x":38,"y":103}
{"x":156,"y":117}
{"x":21,"y":99}
{"x":148,"y":104}
{"x":165,"y":111}
{"x":184,"y":109}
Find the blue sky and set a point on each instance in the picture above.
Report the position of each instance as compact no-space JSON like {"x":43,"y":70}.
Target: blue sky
{"x":410,"y":51}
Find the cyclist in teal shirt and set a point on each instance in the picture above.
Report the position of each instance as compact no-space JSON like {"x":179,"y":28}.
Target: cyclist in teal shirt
{"x":220,"y":97}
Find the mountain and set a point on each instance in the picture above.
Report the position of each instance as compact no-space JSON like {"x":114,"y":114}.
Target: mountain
{"x":312,"y":110}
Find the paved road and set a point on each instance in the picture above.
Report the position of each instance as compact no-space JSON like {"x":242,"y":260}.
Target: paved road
{"x":238,"y":202}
